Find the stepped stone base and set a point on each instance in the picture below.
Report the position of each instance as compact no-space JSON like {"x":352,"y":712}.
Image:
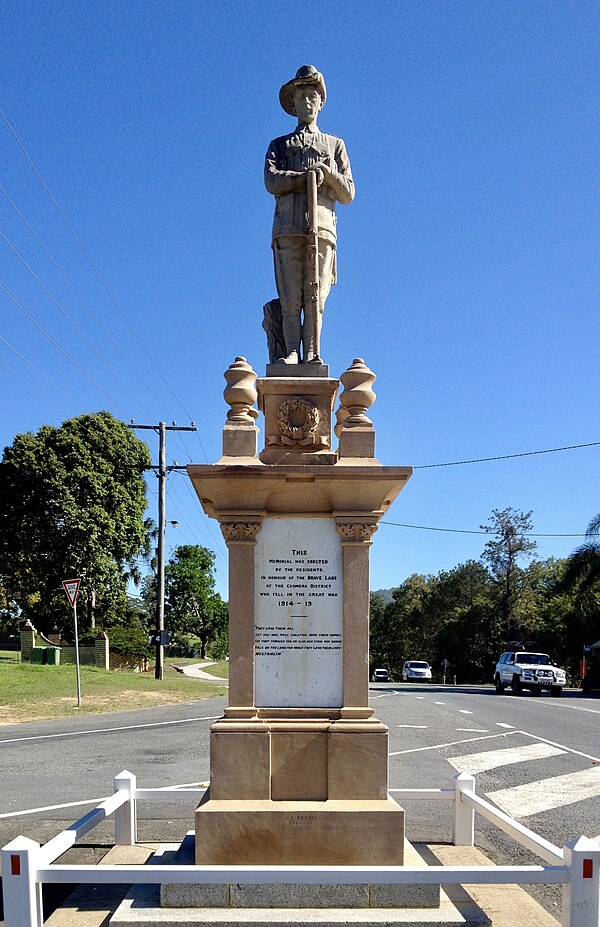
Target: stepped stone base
{"x":290,"y":905}
{"x":292,"y":896}
{"x":141,"y":909}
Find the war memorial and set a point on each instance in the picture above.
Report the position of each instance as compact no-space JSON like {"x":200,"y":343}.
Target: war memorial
{"x":299,"y":765}
{"x":298,"y":762}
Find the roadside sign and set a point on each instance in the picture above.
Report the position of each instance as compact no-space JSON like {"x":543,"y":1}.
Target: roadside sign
{"x":71,"y":587}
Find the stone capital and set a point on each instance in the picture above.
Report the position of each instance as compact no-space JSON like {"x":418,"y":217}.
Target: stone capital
{"x":241,"y":530}
{"x":355,"y":530}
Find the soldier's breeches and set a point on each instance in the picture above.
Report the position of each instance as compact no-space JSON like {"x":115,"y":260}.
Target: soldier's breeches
{"x":292,"y":272}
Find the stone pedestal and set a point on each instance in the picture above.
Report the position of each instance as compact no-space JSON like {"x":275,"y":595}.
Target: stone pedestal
{"x":299,"y":766}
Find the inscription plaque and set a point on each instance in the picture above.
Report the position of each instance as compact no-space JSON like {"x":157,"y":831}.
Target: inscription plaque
{"x":298,"y":656}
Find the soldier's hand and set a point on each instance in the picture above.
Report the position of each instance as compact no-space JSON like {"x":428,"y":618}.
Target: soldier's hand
{"x":320,"y":175}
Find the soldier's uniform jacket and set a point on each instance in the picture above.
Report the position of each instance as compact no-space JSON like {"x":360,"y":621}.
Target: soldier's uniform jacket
{"x":288,"y":157}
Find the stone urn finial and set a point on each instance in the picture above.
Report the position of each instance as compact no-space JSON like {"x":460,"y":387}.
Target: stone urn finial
{"x":356,"y":398}
{"x":240,"y":392}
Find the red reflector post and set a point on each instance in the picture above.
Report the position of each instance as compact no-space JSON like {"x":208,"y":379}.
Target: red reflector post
{"x":15,"y":864}
{"x":588,"y":868}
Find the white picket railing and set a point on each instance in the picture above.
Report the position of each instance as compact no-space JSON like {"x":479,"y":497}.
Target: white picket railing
{"x":26,"y":865}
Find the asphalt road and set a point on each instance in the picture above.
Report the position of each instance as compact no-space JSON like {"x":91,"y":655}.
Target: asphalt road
{"x":537,"y":758}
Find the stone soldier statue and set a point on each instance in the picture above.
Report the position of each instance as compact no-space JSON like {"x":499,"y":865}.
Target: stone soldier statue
{"x":289,"y":160}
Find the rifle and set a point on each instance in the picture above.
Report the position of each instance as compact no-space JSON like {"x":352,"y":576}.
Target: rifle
{"x":313,"y":265}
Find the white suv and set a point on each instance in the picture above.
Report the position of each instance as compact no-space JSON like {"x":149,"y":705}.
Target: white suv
{"x":415,"y":670}
{"x":525,"y":670}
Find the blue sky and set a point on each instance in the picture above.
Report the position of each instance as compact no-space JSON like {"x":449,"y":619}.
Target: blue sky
{"x":468,"y":263}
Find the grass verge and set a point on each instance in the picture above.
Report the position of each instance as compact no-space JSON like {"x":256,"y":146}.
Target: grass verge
{"x":34,"y":693}
{"x":219,"y":669}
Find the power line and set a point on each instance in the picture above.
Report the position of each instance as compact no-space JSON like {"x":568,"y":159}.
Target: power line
{"x":550,"y":450}
{"x":41,"y":373}
{"x":64,"y":312}
{"x":531,"y":534}
{"x":86,"y":306}
{"x":57,"y":344}
{"x":28,"y":383}
{"x":95,"y":269}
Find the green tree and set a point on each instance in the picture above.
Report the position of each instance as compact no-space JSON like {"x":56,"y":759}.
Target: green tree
{"x":462,"y":603}
{"x":580,"y":581}
{"x":583,"y":567}
{"x":191,"y":604}
{"x":380,"y":646}
{"x":72,"y":503}
{"x":502,"y":555}
{"x":400,"y":630}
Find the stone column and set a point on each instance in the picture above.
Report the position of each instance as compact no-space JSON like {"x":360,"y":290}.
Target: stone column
{"x":27,"y":641}
{"x":101,"y":652}
{"x":356,"y":533}
{"x":240,"y":534}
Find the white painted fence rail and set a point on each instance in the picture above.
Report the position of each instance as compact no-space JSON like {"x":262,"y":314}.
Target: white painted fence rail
{"x":26,"y":865}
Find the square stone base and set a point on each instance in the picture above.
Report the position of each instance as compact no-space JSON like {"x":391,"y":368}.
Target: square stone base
{"x":300,"y":833}
{"x":299,"y":760}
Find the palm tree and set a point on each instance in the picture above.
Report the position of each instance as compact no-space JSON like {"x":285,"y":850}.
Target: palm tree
{"x":583,"y":566}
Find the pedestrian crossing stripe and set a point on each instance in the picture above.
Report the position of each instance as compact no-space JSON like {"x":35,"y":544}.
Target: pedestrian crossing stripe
{"x":491,"y":759}
{"x":522,"y":801}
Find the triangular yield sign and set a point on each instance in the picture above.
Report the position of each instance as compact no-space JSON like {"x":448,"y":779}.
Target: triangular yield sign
{"x":71,"y":587}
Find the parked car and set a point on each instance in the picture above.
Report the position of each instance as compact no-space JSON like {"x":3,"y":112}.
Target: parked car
{"x":416,"y":671}
{"x":380,"y":675}
{"x":526,"y":670}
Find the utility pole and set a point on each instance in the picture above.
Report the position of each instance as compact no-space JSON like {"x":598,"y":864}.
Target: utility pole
{"x":161,"y":430}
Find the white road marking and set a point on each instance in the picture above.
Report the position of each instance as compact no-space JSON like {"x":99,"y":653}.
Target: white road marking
{"x":464,"y":711}
{"x":491,"y":759}
{"x":522,"y":801}
{"x":472,"y":730}
{"x":502,"y":724}
{"x":439,"y":703}
{"x":454,"y":743}
{"x":70,"y":804}
{"x":421,"y":727}
{"x":106,"y":730}
{"x":545,"y":740}
{"x":95,"y":801}
{"x":555,"y":704}
{"x":421,"y":697}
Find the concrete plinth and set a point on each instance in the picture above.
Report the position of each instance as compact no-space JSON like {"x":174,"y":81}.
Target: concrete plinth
{"x":140,"y":909}
{"x":278,"y":895}
{"x":300,"y":833}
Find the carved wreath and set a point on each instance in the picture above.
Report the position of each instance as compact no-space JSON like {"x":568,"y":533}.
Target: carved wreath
{"x":301,"y":411}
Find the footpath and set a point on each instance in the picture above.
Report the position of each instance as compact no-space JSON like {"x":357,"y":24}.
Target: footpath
{"x":197,"y":671}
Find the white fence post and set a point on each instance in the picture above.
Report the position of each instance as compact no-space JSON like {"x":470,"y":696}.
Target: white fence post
{"x":126,"y":815}
{"x":22,"y":894}
{"x":581,"y":894}
{"x":463,"y":829}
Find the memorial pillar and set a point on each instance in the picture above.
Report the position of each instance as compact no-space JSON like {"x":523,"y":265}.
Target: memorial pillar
{"x":356,"y":533}
{"x":240,"y":536}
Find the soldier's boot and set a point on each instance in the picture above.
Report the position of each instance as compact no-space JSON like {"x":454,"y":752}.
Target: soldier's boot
{"x":291,"y":333}
{"x":312,"y":338}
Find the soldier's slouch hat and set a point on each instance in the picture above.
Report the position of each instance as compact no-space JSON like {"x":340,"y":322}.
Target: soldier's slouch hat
{"x":307,"y":74}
